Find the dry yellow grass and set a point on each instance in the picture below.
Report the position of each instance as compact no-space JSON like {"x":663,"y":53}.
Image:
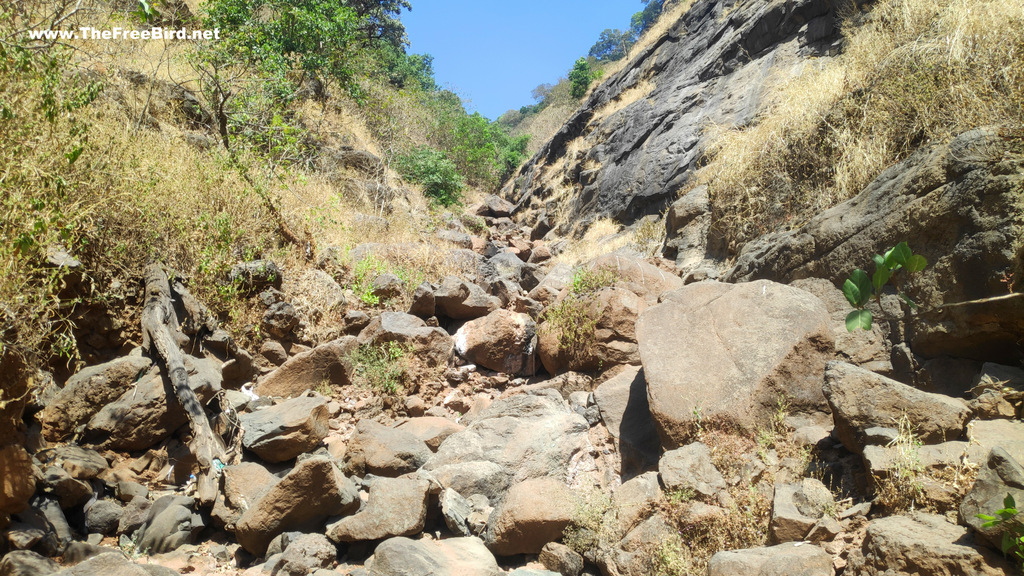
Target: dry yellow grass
{"x":914,"y":72}
{"x":629,"y":96}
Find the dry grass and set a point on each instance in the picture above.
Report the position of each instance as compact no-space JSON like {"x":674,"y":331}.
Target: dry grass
{"x":914,"y":72}
{"x":631,"y":95}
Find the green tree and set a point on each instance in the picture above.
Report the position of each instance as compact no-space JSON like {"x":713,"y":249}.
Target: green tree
{"x":646,"y":18}
{"x":612,"y":45}
{"x":580,"y":78}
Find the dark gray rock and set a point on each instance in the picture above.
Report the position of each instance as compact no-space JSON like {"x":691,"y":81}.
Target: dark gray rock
{"x":561,"y":559}
{"x":451,"y":557}
{"x":461,"y":300}
{"x":796,"y":508}
{"x":306,"y":553}
{"x":387,"y":286}
{"x":422,"y":301}
{"x":45,"y":515}
{"x":280,"y":320}
{"x":68,"y":491}
{"x":103,"y":517}
{"x":329,"y":362}
{"x":395,"y":507}
{"x":170,"y":524}
{"x":1000,"y":475}
{"x":256,"y":275}
{"x":26,"y":563}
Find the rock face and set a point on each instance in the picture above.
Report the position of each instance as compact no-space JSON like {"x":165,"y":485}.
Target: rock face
{"x":284,"y":431}
{"x":515,"y":439}
{"x":710,"y":67}
{"x":451,"y":557}
{"x":314,"y":490}
{"x":861,"y":400}
{"x":503,"y":341}
{"x":533,"y":513}
{"x":923,"y":544}
{"x":729,"y":351}
{"x":959,"y":199}
{"x":326,"y":363}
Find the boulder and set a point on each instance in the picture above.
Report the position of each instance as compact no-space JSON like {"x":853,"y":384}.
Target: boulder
{"x":560,"y":559}
{"x":17,"y":479}
{"x":430,"y":344}
{"x":517,"y":438}
{"x":134,"y":516}
{"x":690,"y":469}
{"x":255,"y":275}
{"x":328,"y":363}
{"x":632,"y":554}
{"x":26,"y":563}
{"x":311,"y":492}
{"x":456,"y":511}
{"x":396,"y":507}
{"x":1000,"y":475}
{"x":170,"y":524}
{"x":88,"y":391}
{"x":796,"y":508}
{"x":633,"y":500}
{"x":387,"y":286}
{"x":533,"y":513}
{"x":145,"y":414}
{"x":614,"y":342}
{"x":103,"y":517}
{"x":57,"y":483}
{"x":622,"y":401}
{"x":861,"y":400}
{"x":496,"y":207}
{"x":638,"y":276}
{"x":317,"y":292}
{"x":432,"y":430}
{"x":45,"y":516}
{"x":922,"y":543}
{"x":422,"y":301}
{"x":280,"y":320}
{"x":451,"y":557}
{"x":728,"y":352}
{"x":772,"y":561}
{"x":306,"y":554}
{"x":687,"y":225}
{"x":283,"y":431}
{"x":81,"y":463}
{"x":244,"y":485}
{"x":503,"y":341}
{"x":384,"y":451}
{"x":461,"y":300}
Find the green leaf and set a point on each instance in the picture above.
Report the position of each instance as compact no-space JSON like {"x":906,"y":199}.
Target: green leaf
{"x":899,"y":255}
{"x":74,"y":154}
{"x":916,"y":263}
{"x":1008,"y":502}
{"x":881,"y":276}
{"x":879,"y":260}
{"x":858,"y":319}
{"x":1007,"y":542}
{"x":863,"y":283}
{"x":851,"y":292}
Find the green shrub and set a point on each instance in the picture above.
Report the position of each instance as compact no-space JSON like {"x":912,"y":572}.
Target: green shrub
{"x":572,"y":319}
{"x":580,"y":78}
{"x":860,"y":288}
{"x":437,"y":174}
{"x":381,"y":367}
{"x":1013,"y":531}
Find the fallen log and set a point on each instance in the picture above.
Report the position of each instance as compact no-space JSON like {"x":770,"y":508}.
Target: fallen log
{"x":159,"y":327}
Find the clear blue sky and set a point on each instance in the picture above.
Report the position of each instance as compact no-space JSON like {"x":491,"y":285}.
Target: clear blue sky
{"x":494,"y":52}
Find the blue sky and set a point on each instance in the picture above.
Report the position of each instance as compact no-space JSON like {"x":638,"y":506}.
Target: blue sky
{"x":494,"y":52}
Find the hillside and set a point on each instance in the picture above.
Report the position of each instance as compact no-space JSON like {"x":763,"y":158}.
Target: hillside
{"x":275,"y":303}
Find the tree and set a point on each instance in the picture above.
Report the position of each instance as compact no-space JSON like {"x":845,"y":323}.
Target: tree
{"x":541,"y":92}
{"x":612,"y":45}
{"x":580,"y":78}
{"x":646,"y":18}
{"x":379,"y":20}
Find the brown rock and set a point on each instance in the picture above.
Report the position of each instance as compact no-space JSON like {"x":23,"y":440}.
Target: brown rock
{"x":17,"y":481}
{"x":284,"y":431}
{"x":638,"y":276}
{"x":313,"y":491}
{"x":503,"y":341}
{"x":614,"y":336}
{"x":728,"y":352}
{"x":326,"y":363}
{"x":396,"y":507}
{"x":384,"y":451}
{"x":533,"y":513}
{"x":430,"y":344}
{"x":432,"y":430}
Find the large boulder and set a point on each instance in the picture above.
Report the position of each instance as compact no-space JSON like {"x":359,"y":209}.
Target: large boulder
{"x":729,"y":352}
{"x":503,"y":341}
{"x":313,"y":491}
{"x":922,"y":544}
{"x":170,"y":524}
{"x":430,"y":344}
{"x":88,"y":391}
{"x":396,"y":507}
{"x":283,"y":431}
{"x":622,"y":401}
{"x":384,"y":451}
{"x":330,"y":363}
{"x":772,"y":561}
{"x":146,"y":413}
{"x":957,"y":204}
{"x":861,"y":400}
{"x":517,"y":438}
{"x":533,"y":513}
{"x":451,"y":557}
{"x":638,"y":276}
{"x":461,"y":300}
{"x":610,"y":342}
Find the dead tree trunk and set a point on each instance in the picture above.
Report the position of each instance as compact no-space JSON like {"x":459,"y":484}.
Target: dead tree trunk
{"x":157,"y":332}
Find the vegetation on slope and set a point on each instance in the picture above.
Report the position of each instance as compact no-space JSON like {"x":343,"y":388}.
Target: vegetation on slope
{"x":911,"y":72}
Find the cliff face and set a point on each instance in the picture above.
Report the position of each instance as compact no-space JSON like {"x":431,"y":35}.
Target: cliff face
{"x":636,"y":140}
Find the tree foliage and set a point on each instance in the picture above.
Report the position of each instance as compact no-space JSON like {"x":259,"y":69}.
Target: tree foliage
{"x":612,"y":45}
{"x":580,"y":77}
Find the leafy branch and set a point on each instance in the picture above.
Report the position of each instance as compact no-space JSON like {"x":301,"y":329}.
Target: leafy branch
{"x":860,"y":288}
